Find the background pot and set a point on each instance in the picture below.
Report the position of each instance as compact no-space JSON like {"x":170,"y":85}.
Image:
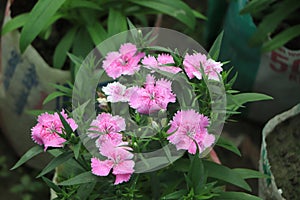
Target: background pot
{"x":267,"y":187}
{"x":24,"y":83}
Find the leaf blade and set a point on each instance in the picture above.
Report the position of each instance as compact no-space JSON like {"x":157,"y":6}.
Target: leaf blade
{"x":85,"y":177}
{"x":56,"y":162}
{"x":41,"y":13}
{"x":34,"y":151}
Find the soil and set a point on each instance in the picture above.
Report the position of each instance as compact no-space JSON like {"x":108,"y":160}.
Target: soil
{"x":284,"y":156}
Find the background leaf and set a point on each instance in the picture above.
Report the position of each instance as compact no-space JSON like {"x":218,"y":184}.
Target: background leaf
{"x":85,"y":177}
{"x":174,"y":8}
{"x":271,"y":21}
{"x":236,"y":196}
{"x":215,"y":49}
{"x":15,"y":23}
{"x":226,"y":144}
{"x":28,"y":155}
{"x":51,"y":184}
{"x":63,"y":46}
{"x":226,"y":174}
{"x":249,"y":173}
{"x":116,"y":22}
{"x":282,"y":38}
{"x":52,"y":96}
{"x":56,"y":162}
{"x":40,"y":15}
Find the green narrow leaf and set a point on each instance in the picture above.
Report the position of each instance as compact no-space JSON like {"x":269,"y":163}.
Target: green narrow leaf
{"x":175,"y":195}
{"x":85,"y":177}
{"x":62,"y":88}
{"x":84,"y":4}
{"x":38,"y":112}
{"x":234,"y":102}
{"x":249,"y":173}
{"x":215,"y":49}
{"x":51,"y":185}
{"x":66,"y":125}
{"x":177,"y":9}
{"x":199,"y":15}
{"x":131,"y":26}
{"x":15,"y":23}
{"x":282,"y":38}
{"x":116,"y":22}
{"x":82,"y":43}
{"x":52,"y":96}
{"x":75,"y":59}
{"x":196,"y":173}
{"x":222,"y":142}
{"x":250,"y":97}
{"x":34,"y":151}
{"x":236,"y":196}
{"x":272,"y":20}
{"x":64,"y":157}
{"x":255,"y":6}
{"x":84,"y":191}
{"x":76,"y":149}
{"x":226,"y":174}
{"x":38,"y":18}
{"x":97,"y":32}
{"x":64,"y":45}
{"x":77,"y":63}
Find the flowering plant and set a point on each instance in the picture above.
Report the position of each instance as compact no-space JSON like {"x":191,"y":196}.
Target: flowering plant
{"x":149,"y":131}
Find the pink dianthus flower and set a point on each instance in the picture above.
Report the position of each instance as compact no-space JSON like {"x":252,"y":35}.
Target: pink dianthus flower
{"x":192,"y":65}
{"x":45,"y":131}
{"x":122,"y":62}
{"x":188,"y":129}
{"x":106,"y":123}
{"x":162,"y":63}
{"x":119,"y":160}
{"x":154,"y":96}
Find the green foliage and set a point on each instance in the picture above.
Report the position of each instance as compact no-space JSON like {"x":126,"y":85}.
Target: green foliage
{"x":236,"y":196}
{"x":271,"y":13}
{"x":226,"y":144}
{"x":34,"y":151}
{"x":91,"y":22}
{"x":62,"y":158}
{"x":39,"y":17}
{"x":215,"y":48}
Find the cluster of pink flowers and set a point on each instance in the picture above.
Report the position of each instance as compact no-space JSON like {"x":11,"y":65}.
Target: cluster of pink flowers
{"x":188,"y":128}
{"x":152,"y":97}
{"x":46,"y":131}
{"x":107,"y":129}
{"x":126,"y":62}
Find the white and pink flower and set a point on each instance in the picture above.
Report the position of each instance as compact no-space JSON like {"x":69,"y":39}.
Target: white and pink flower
{"x":163,"y":62}
{"x":193,"y":63}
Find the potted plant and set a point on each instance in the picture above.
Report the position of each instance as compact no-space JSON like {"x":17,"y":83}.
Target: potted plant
{"x":147,"y":133}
